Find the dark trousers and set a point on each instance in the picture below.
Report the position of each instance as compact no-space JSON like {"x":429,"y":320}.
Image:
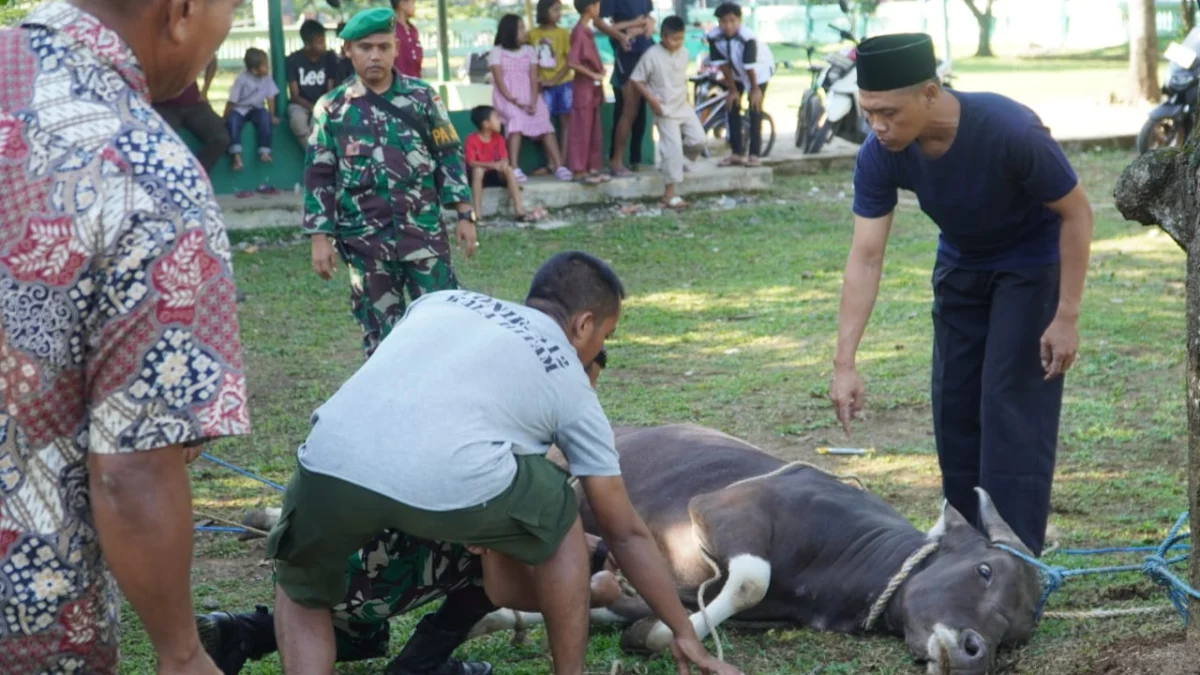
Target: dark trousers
{"x":639,"y":127}
{"x":205,"y":124}
{"x":995,"y":417}
{"x":735,"y":125}
{"x":260,"y":118}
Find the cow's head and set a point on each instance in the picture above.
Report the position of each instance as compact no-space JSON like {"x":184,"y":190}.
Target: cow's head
{"x":971,"y":598}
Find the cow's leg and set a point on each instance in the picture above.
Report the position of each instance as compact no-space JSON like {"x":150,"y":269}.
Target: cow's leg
{"x":510,"y":619}
{"x":608,"y":607}
{"x":734,"y":530}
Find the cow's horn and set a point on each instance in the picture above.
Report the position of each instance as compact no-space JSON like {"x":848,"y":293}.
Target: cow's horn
{"x":950,"y":518}
{"x":997,"y":530}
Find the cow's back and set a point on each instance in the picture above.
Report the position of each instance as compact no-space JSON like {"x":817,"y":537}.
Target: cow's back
{"x":665,"y":466}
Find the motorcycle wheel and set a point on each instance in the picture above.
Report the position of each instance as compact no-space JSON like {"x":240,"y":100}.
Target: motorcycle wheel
{"x":1162,"y":133}
{"x":808,"y":122}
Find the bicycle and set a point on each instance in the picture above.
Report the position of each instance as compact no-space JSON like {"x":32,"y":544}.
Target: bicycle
{"x":711,"y":97}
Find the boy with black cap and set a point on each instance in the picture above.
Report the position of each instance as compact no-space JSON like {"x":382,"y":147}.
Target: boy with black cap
{"x":1016,"y":229}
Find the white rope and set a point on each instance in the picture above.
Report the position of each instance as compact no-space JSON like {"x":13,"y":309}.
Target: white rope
{"x":897,"y":581}
{"x":716,"y":635}
{"x":791,"y":465}
{"x":1108,"y":613}
{"x":704,"y":610}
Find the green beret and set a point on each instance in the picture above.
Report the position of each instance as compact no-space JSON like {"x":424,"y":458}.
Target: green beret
{"x":369,"y":22}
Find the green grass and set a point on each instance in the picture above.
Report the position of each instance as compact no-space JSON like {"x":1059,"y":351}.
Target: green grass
{"x":730,"y":323}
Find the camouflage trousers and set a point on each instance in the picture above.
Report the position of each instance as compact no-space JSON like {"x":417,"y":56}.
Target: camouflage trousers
{"x":382,"y":267}
{"x":394,"y":574}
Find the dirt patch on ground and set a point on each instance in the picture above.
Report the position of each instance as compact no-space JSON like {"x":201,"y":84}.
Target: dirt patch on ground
{"x":1167,"y":654}
{"x":900,"y":427}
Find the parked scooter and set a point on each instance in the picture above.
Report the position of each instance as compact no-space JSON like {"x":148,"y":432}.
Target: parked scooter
{"x":1171,"y":121}
{"x":829,"y":107}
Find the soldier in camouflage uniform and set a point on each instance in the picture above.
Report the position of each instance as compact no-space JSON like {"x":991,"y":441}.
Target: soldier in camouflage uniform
{"x":392,"y":575}
{"x":382,"y":161}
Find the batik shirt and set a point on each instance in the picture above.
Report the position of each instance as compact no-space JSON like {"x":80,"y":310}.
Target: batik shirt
{"x":368,"y":171}
{"x":118,"y":332}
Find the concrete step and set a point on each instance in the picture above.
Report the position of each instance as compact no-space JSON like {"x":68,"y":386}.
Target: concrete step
{"x":285,"y":210}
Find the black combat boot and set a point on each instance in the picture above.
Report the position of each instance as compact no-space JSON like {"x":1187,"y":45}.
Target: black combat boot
{"x":436,"y":636}
{"x":233,"y":639}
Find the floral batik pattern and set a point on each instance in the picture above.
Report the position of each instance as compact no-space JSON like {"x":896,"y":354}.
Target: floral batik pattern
{"x":118,"y":332}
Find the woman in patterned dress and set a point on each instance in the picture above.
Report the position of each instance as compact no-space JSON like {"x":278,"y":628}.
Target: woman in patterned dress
{"x":517,"y":97}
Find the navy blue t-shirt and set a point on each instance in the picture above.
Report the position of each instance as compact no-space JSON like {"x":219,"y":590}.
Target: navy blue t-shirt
{"x":617,"y":11}
{"x":987,"y":193}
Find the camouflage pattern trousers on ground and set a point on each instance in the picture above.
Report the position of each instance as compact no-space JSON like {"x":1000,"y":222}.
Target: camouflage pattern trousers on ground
{"x":394,"y":574}
{"x":382,"y":266}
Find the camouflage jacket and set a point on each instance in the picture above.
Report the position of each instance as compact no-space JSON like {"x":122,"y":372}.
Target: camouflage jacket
{"x":367,"y":171}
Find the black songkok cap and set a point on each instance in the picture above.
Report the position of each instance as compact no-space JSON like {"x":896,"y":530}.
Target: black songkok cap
{"x":896,"y":61}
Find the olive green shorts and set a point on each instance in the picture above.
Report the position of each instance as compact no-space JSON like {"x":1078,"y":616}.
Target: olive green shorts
{"x":326,"y":519}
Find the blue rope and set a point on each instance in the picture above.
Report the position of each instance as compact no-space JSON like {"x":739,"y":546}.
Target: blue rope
{"x":1155,"y":566}
{"x":242,"y":471}
{"x":219,"y":528}
{"x":1117,"y":549}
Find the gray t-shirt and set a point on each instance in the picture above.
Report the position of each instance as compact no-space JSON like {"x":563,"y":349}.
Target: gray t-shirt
{"x":458,"y":387}
{"x":251,"y":91}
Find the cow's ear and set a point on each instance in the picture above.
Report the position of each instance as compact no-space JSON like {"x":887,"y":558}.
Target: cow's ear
{"x":997,"y":530}
{"x":950,"y":519}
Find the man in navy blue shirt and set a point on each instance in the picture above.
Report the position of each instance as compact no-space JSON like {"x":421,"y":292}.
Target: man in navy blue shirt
{"x":629,"y":27}
{"x":1016,"y":230}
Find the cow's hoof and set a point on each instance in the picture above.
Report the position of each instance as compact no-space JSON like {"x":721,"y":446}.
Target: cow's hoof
{"x":646,"y":637}
{"x":499,"y":620}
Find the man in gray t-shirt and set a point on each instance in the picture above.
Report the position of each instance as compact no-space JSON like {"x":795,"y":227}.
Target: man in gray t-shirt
{"x":443,"y":433}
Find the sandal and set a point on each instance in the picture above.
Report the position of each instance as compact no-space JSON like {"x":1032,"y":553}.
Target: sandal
{"x":675,"y":203}
{"x":620,"y":173}
{"x":590,"y":180}
{"x":564,"y":174}
{"x":535,"y":216}
{"x":520,"y":175}
{"x":753,"y":162}
{"x":731,"y":160}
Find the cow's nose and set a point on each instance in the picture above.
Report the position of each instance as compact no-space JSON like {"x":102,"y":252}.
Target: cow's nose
{"x":973,"y":646}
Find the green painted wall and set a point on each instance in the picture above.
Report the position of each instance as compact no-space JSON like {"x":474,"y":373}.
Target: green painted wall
{"x":287,"y":169}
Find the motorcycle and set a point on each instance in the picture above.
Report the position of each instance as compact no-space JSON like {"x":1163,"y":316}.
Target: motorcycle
{"x":1172,"y":120}
{"x":829,"y":107}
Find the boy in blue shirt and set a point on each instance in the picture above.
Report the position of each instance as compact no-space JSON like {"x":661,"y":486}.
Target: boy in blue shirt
{"x":1016,"y":230}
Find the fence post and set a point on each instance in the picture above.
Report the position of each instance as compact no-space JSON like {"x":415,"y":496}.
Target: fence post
{"x":278,"y":56}
{"x":443,"y":43}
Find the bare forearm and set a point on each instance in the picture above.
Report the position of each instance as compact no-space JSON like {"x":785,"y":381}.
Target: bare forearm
{"x":608,"y":29}
{"x":498,"y":83}
{"x":642,"y":90}
{"x":860,"y":286}
{"x":142,"y":506}
{"x":580,"y":68}
{"x":210,"y":72}
{"x":643,"y":564}
{"x":535,"y":83}
{"x":1074,"y":248}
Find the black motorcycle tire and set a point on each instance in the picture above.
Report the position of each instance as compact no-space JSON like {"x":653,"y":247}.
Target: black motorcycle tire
{"x":808,"y":123}
{"x":1147,"y":137}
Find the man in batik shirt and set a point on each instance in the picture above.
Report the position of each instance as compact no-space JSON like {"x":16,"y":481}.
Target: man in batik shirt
{"x":119,"y":349}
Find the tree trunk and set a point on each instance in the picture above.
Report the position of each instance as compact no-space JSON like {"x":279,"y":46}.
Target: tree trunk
{"x":1160,"y":187}
{"x":1143,"y":51}
{"x":984,"y":18}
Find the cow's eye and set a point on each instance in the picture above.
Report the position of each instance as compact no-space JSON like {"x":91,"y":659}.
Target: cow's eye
{"x":985,"y":571}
